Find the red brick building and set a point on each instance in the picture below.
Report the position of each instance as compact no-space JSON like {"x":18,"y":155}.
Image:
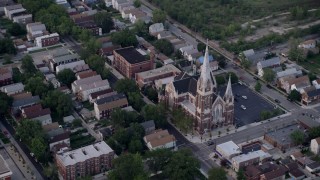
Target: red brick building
{"x":128,"y":61}
{"x":5,"y":76}
{"x":88,"y":160}
{"x":47,"y":40}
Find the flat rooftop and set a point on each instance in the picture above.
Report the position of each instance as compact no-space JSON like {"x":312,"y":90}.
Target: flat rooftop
{"x":84,"y":153}
{"x":282,"y":136}
{"x":159,"y":71}
{"x":131,"y":55}
{"x":229,"y":148}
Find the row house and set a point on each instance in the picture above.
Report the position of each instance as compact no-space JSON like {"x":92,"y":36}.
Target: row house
{"x":35,"y":29}
{"x":85,"y":20}
{"x":101,"y":94}
{"x":289,"y":83}
{"x":128,"y":61}
{"x":36,"y":112}
{"x":88,"y":160}
{"x":86,"y":89}
{"x":85,"y":74}
{"x":12,"y":88}
{"x":77,"y":83}
{"x":19,"y":104}
{"x":117,"y":3}
{"x":310,"y":97}
{"x":60,"y":141}
{"x":47,"y":40}
{"x":5,"y":76}
{"x":104,"y":106}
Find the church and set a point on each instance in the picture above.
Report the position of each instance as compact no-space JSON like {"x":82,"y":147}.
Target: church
{"x":197,"y":96}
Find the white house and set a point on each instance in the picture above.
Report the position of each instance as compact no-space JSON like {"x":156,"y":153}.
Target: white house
{"x":164,"y":34}
{"x":316,"y":83}
{"x":160,"y":139}
{"x":315,"y":145}
{"x":308,"y":44}
{"x":44,"y":120}
{"x":269,"y":63}
{"x":76,"y":84}
{"x":186,"y":48}
{"x":71,"y":65}
{"x":86,"y":89}
{"x":155,"y":28}
{"x":12,"y":88}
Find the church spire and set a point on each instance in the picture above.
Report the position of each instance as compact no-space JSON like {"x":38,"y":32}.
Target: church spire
{"x":205,"y":76}
{"x":229,"y":93}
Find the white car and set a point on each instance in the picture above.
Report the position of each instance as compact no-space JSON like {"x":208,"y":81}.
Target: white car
{"x":243,"y":107}
{"x":244,"y":97}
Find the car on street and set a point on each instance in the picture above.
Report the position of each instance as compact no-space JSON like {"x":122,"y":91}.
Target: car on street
{"x":268,"y":86}
{"x":210,"y":142}
{"x":256,"y":78}
{"x":277,"y":100}
{"x":243,"y":107}
{"x":244,"y":97}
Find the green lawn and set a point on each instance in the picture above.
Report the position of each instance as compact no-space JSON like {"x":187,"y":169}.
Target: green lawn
{"x":88,"y":106}
{"x":312,"y":64}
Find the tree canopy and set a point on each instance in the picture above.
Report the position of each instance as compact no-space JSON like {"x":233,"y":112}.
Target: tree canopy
{"x":217,"y":174}
{"x":164,"y":46}
{"x":158,"y":16}
{"x":182,"y":121}
{"x":28,"y":130}
{"x":5,"y":102}
{"x":37,"y":86}
{"x":124,"y":38}
{"x":158,"y":159}
{"x":58,"y":102}
{"x":97,"y":63}
{"x":295,"y":53}
{"x":297,"y":136}
{"x":128,"y":166}
{"x":268,"y":75}
{"x":294,"y":95}
{"x":27,"y":65}
{"x":104,"y":20}
{"x":258,"y":86}
{"x":66,"y":76}
{"x":137,"y":3}
{"x":7,"y":46}
{"x":156,"y":113}
{"x":17,"y":30}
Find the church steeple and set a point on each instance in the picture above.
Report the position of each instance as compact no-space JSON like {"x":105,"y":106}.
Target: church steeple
{"x":205,"y":81}
{"x":228,"y":94}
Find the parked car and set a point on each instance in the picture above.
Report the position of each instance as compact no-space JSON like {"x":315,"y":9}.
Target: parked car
{"x":268,"y":86}
{"x":277,"y":100}
{"x":244,"y":97}
{"x":243,"y":107}
{"x":210,"y":142}
{"x":256,"y":78}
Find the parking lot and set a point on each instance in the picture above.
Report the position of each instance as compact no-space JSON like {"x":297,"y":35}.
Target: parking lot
{"x":254,"y":104}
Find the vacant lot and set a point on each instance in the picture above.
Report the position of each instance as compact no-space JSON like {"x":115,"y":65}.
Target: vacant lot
{"x":312,"y":64}
{"x":219,"y":18}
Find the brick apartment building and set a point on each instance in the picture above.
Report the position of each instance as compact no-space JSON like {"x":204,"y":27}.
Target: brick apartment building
{"x":129,"y":61}
{"x":47,"y":40}
{"x":86,"y":21}
{"x":88,"y":160}
{"x":104,"y":106}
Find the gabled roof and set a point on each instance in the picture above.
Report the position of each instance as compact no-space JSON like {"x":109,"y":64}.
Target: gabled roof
{"x":26,"y":101}
{"x":314,"y":165}
{"x":270,"y":62}
{"x":35,"y":111}
{"x":60,"y":137}
{"x":277,"y":173}
{"x":296,"y":173}
{"x":148,"y":124}
{"x":186,"y":85}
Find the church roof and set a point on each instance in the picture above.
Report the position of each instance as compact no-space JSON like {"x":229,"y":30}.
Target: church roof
{"x":185,"y":85}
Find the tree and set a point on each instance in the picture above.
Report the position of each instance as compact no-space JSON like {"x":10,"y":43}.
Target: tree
{"x":314,"y":132}
{"x":124,"y":38}
{"x":135,"y":100}
{"x":137,"y":3}
{"x":217,"y":174}
{"x":27,"y":130}
{"x":220,"y":80}
{"x":234,"y":78}
{"x":38,"y":147}
{"x":135,"y":146}
{"x":58,"y":102}
{"x":268,"y":75}
{"x":51,"y":172}
{"x":182,"y":165}
{"x":156,"y":113}
{"x":201,"y":47}
{"x":265,"y":115}
{"x":37,"y":86}
{"x":7,"y":46}
{"x":240,"y":175}
{"x":164,"y":46}
{"x":151,"y":93}
{"x":5,"y":102}
{"x":294,"y":95}
{"x":97,"y":63}
{"x":7,"y":59}
{"x":221,"y":61}
{"x":158,"y":16}
{"x":257,"y":87}
{"x":297,"y":136}
{"x":104,"y":20}
{"x":245,"y":63}
{"x":17,"y":30}
{"x":182,"y":121}
{"x":312,"y":77}
{"x":27,"y":65}
{"x":128,"y":166}
{"x":295,"y":53}
{"x":158,"y":159}
{"x":114,"y":145}
{"x":92,"y":46}
{"x":66,"y":76}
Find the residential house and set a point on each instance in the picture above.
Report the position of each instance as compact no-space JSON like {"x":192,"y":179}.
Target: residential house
{"x":22,"y":95}
{"x":4,"y":3}
{"x":307,"y":123}
{"x":160,"y":139}
{"x":126,"y":9}
{"x":188,"y":53}
{"x":269,"y":63}
{"x":85,"y":74}
{"x":316,"y":83}
{"x":104,"y":106}
{"x":281,"y":138}
{"x":156,"y":28}
{"x":315,"y":145}
{"x":313,"y":167}
{"x":254,"y":172}
{"x":85,"y":20}
{"x":68,"y":119}
{"x":179,"y":44}
{"x":47,"y":40}
{"x":50,"y":127}
{"x":166,"y":60}
{"x":59,"y":141}
{"x":149,"y":77}
{"x":12,"y":88}
{"x":251,"y":158}
{"x":76,"y":84}
{"x":60,"y":57}
{"x":36,"y":112}
{"x":308,"y":44}
{"x":63,"y":3}
{"x":104,"y":93}
{"x":5,"y":76}
{"x":277,"y":174}
{"x":186,"y":48}
{"x":138,"y":15}
{"x":294,"y":156}
{"x":297,"y":174}
{"x":290,"y":83}
{"x":77,"y":66}
{"x":17,"y":105}
{"x":195,"y":56}
{"x":252,"y":57}
{"x":23,"y":19}
{"x":35,"y":29}
{"x":310,"y":97}
{"x":128,"y":61}
{"x":228,"y":150}
{"x":117,"y":3}
{"x":88,"y":160}
{"x":86,"y":89}
{"x":292,"y":72}
{"x":5,"y":172}
{"x":148,"y":126}
{"x":164,"y":34}
{"x":13,"y":10}
{"x":105,"y":133}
